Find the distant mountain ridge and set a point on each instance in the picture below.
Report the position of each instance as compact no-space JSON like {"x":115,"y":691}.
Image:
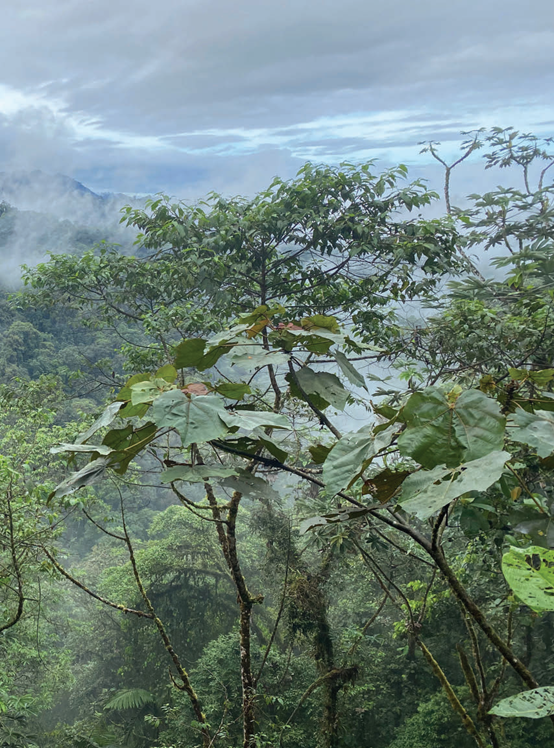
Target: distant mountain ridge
{"x":60,"y":196}
{"x":43,"y":213}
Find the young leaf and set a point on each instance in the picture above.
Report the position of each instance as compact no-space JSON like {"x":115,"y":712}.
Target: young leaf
{"x":530,"y":574}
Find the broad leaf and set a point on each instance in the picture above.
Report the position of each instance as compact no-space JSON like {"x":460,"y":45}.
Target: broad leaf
{"x":535,"y":429}
{"x":346,"y":460}
{"x":319,"y":453}
{"x":233,"y":390}
{"x":189,"y":353}
{"x":384,"y":485}
{"x":427,"y":491}
{"x":252,"y":419}
{"x":530,"y":574}
{"x":349,"y":370}
{"x":440,"y":432}
{"x":533,"y":704}
{"x":252,"y":356}
{"x":325,"y":385}
{"x":197,"y":473}
{"x":250,"y":485}
{"x":196,"y":418}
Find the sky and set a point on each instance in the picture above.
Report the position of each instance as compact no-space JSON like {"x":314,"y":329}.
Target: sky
{"x":188,"y":96}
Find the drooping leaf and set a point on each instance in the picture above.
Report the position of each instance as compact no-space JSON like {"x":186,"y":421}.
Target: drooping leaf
{"x":91,"y":473}
{"x":349,"y":370}
{"x":346,"y":458}
{"x":443,"y":432}
{"x":533,"y":704}
{"x":197,"y":473}
{"x":530,"y":574}
{"x":101,"y":449}
{"x":535,"y":429}
{"x":250,"y":485}
{"x":196,"y":418}
{"x":127,"y":444}
{"x":325,"y":385}
{"x":105,"y":419}
{"x":427,"y":491}
{"x":189,"y":353}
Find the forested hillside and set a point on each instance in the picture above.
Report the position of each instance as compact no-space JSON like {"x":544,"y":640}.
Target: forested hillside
{"x":281,"y":475}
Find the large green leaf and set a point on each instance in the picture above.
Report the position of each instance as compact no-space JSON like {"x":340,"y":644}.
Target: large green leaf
{"x":346,"y":460}
{"x":530,"y":574}
{"x":252,"y":419}
{"x":196,"y":418}
{"x":252,"y":356}
{"x":441,"y":432}
{"x":535,"y":429}
{"x":189,"y":353}
{"x":250,"y":485}
{"x":533,"y":704}
{"x":427,"y":491}
{"x":325,"y":385}
{"x":196,"y":473}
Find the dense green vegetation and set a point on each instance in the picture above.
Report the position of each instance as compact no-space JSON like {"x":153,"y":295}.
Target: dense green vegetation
{"x":283,"y":477}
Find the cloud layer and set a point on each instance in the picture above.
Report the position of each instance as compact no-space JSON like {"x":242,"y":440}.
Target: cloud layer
{"x":187,"y":96}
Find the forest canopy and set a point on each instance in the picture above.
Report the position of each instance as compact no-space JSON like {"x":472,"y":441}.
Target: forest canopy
{"x":283,"y":476}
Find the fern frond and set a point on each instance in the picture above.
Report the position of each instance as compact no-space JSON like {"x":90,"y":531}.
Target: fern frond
{"x":131,"y":698}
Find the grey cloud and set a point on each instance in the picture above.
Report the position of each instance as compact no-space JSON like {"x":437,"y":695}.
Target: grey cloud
{"x":186,"y":75}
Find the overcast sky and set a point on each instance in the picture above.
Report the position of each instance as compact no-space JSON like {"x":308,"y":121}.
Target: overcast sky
{"x":192,"y":95}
